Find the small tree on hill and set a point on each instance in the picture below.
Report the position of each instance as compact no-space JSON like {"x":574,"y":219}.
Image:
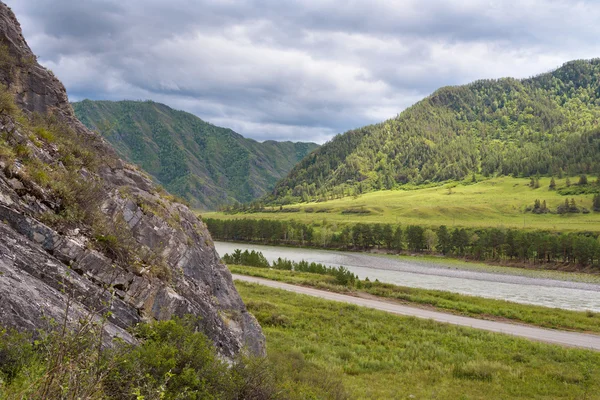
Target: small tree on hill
{"x":573,"y":206}
{"x":583,"y":180}
{"x":552,"y":184}
{"x":596,"y":203}
{"x":568,"y":182}
{"x":563,"y":208}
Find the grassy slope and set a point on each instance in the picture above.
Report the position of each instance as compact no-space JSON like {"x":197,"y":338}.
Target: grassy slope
{"x":203,"y":163}
{"x":471,"y":306}
{"x":541,"y":125}
{"x":489,"y":203}
{"x":382,"y":356}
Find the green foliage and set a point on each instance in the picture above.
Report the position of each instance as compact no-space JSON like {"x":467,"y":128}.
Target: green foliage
{"x":596,"y":203}
{"x":172,"y":360}
{"x":7,"y":61}
{"x":485,"y":244}
{"x":250,"y":258}
{"x":7,"y":101}
{"x":256,"y":259}
{"x":539,"y":126}
{"x":61,"y":363}
{"x":203,"y":163}
{"x":175,"y":361}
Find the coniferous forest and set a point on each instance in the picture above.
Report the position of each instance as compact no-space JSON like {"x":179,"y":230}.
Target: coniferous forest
{"x":545,"y":125}
{"x":486,"y":244}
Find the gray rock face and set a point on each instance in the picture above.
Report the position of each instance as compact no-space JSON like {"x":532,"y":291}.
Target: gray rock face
{"x":41,"y":268}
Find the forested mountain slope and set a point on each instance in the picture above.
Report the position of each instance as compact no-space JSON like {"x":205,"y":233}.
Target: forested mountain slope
{"x":546,"y":125}
{"x":207,"y":165}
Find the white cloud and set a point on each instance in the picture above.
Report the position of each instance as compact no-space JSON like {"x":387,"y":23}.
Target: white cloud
{"x":299,"y":69}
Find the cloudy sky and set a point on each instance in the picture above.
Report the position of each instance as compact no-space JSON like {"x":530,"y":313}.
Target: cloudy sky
{"x":298,"y":70}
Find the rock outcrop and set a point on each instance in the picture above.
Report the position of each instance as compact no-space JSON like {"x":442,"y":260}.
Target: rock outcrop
{"x":127,"y":247}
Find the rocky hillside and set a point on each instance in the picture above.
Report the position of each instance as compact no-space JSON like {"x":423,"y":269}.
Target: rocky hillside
{"x":207,"y":165}
{"x":83,"y":231}
{"x":545,"y":125}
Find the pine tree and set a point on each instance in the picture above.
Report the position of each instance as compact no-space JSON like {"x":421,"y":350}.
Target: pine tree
{"x":573,"y":206}
{"x":583,"y":180}
{"x":596,"y":203}
{"x":387,"y":236}
{"x":552,"y":184}
{"x":568,"y":182}
{"x":398,"y":244}
{"x":444,"y":239}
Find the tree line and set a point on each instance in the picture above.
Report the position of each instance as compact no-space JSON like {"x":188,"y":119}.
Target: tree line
{"x":483,"y":244}
{"x":256,"y":259}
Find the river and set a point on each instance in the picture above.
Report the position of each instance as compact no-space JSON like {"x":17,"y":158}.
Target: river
{"x":427,"y":274}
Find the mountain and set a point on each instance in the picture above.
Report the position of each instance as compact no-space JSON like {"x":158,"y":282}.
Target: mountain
{"x":84,"y":233}
{"x":203,"y":163}
{"x":546,"y":125}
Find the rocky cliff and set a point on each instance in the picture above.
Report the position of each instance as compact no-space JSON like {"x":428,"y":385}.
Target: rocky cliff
{"x":84,"y":231}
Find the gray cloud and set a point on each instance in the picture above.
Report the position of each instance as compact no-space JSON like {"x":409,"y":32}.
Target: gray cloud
{"x":298,"y":70}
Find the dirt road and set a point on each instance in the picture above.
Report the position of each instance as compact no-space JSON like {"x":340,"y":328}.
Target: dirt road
{"x":564,"y":338}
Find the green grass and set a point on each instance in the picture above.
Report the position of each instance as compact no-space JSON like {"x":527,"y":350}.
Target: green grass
{"x":383,"y":356}
{"x":489,"y":203}
{"x":455,"y":303}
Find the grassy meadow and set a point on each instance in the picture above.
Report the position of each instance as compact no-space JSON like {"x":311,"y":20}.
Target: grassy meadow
{"x":471,"y":306}
{"x":383,"y":356}
{"x":496,"y":202}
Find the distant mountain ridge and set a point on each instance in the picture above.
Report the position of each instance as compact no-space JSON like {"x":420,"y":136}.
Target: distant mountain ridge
{"x":207,"y":165}
{"x":547,"y":125}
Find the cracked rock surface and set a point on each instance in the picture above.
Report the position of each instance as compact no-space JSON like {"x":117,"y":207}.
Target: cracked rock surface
{"x":41,"y":266}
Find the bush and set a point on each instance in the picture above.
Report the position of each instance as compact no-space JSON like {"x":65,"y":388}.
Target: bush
{"x":7,"y":102}
{"x":477,"y":370}
{"x":172,"y":360}
{"x":256,"y":259}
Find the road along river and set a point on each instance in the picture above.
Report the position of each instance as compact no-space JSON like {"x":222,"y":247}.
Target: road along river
{"x":540,"y":334}
{"x":427,"y":274}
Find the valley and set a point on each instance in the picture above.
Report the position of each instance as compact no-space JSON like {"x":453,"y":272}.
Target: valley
{"x":444,"y":245}
{"x":500,"y":202}
{"x":205,"y":165}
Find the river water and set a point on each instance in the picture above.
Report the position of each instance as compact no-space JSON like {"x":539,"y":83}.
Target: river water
{"x":428,"y":274}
